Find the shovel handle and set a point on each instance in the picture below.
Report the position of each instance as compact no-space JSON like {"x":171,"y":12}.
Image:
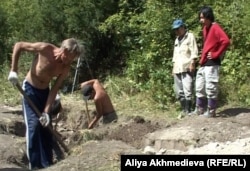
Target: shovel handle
{"x":87,"y":111}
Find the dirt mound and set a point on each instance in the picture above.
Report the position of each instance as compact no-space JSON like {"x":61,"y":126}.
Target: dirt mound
{"x":133,"y":132}
{"x":100,"y":148}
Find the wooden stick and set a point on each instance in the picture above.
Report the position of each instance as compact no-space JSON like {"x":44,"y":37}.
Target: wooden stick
{"x":87,"y":111}
{"x":56,"y":134}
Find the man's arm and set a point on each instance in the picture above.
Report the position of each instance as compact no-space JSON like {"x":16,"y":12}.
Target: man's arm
{"x":224,"y":42}
{"x":93,"y":122}
{"x":99,"y":111}
{"x":54,"y":90}
{"x":24,"y":46}
{"x":193,"y":48}
{"x":194,"y":52}
{"x":17,"y":49}
{"x":89,"y":82}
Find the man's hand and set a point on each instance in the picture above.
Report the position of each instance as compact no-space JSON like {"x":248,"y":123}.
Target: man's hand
{"x":44,"y":119}
{"x":209,"y":55}
{"x":192,"y":67}
{"x":13,"y":78}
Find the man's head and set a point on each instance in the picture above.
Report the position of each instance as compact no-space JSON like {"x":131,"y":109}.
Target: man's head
{"x":177,"y":24}
{"x":179,"y":27}
{"x":206,"y":15}
{"x":87,"y":92}
{"x":71,"y":49}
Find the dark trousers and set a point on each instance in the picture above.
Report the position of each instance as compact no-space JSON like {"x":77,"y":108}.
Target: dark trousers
{"x":38,"y":139}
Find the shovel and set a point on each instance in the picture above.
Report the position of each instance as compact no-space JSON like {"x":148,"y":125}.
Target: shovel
{"x":87,"y":111}
{"x":56,"y":134}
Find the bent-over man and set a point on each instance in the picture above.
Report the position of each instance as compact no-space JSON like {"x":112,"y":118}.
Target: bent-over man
{"x":93,"y":89}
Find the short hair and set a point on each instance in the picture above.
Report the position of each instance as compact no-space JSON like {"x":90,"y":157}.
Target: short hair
{"x":207,"y":13}
{"x":73,"y":46}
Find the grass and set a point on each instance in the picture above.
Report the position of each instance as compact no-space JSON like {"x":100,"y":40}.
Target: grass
{"x":126,"y":100}
{"x":125,"y":105}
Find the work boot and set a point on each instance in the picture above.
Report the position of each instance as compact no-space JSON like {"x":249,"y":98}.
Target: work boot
{"x":188,"y":106}
{"x":183,"y":108}
{"x":200,"y":106}
{"x":198,"y":111}
{"x":212,"y":103}
{"x":183,"y":104}
{"x":210,"y":113}
{"x":195,"y":112}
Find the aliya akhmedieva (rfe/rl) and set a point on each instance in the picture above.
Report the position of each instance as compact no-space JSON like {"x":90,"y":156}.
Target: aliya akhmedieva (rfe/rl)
{"x":162,"y":162}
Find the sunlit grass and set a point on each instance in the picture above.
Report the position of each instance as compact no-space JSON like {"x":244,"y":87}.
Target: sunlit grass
{"x":126,"y":99}
{"x":126,"y":102}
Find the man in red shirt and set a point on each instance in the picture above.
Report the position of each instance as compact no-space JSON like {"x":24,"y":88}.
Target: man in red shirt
{"x":215,"y":43}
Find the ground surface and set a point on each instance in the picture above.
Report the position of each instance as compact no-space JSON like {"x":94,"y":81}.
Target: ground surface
{"x":100,"y":148}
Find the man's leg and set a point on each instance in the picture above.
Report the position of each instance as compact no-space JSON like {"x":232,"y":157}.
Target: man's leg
{"x":32,"y":136}
{"x":39,"y":139}
{"x":212,"y":86}
{"x":187,"y":81}
{"x":201,"y":101}
{"x":211,"y":110}
{"x":179,"y":92}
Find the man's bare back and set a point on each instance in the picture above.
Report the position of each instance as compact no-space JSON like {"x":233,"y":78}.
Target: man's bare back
{"x":103,"y":104}
{"x":102,"y":98}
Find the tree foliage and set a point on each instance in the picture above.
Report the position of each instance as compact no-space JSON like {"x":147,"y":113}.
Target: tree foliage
{"x":130,"y":38}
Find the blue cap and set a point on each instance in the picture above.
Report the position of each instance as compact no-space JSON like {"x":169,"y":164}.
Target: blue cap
{"x":177,"y":23}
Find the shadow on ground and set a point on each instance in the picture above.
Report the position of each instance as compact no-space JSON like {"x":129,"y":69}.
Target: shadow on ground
{"x":233,"y":112}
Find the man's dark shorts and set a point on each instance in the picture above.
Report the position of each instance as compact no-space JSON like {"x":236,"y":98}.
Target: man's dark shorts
{"x":109,"y":117}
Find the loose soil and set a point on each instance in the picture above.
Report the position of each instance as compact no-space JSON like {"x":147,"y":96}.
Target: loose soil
{"x":101,"y":147}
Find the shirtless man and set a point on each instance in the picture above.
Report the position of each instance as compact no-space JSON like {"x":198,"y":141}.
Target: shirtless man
{"x":92,"y":89}
{"x":50,"y":62}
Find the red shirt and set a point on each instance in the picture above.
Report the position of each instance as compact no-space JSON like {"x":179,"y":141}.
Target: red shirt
{"x":215,"y":41}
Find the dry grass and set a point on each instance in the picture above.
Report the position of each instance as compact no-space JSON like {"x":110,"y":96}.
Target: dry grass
{"x":125,"y":103}
{"x":125,"y":99}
